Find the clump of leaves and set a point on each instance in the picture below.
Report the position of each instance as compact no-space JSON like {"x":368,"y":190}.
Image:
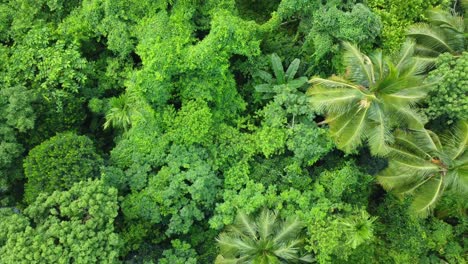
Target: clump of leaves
{"x":448,"y":99}
{"x":281,"y":80}
{"x":58,"y":163}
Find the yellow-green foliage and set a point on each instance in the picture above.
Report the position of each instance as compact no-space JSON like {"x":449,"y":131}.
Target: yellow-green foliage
{"x":68,"y":226}
{"x":396,"y":16}
{"x":197,"y":109}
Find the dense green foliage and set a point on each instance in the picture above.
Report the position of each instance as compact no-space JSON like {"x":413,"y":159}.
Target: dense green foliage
{"x":58,"y":163}
{"x":70,"y":226}
{"x":448,"y":99}
{"x":169,"y":131}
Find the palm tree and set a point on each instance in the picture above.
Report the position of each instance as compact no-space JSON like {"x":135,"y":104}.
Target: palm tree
{"x":444,"y":32}
{"x":375,"y":95}
{"x":359,"y":228}
{"x":266,"y":240}
{"x":120,"y":112}
{"x":424,"y":165}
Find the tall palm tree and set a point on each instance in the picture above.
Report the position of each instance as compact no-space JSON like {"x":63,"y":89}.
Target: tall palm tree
{"x":444,"y":32}
{"x":376,"y":94}
{"x":265,"y":240}
{"x":424,"y":165}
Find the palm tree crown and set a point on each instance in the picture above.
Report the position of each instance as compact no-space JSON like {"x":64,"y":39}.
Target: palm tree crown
{"x":376,"y":94}
{"x":424,"y":165}
{"x":266,"y":240}
{"x":121,"y":111}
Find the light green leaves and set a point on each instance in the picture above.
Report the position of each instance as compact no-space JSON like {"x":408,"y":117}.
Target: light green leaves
{"x":73,"y":225}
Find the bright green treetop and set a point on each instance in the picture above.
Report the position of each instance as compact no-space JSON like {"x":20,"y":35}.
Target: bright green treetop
{"x":63,"y":227}
{"x":58,"y":163}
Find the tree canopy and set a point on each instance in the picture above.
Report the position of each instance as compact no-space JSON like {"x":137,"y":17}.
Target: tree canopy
{"x":233,"y":131}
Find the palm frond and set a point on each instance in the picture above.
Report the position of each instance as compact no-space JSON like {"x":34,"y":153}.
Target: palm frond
{"x":426,"y":51}
{"x":332,"y":117}
{"x":455,"y":143}
{"x":405,"y":56}
{"x":457,"y":179}
{"x":307,"y":258}
{"x":361,"y":68}
{"x":350,"y":133}
{"x":220,"y":259}
{"x":379,"y":134}
{"x":410,"y":188}
{"x":426,"y":196}
{"x":278,"y":68}
{"x":407,"y":96}
{"x":429,"y":35}
{"x":335,"y":82}
{"x":266,"y":224}
{"x":289,"y":251}
{"x":289,"y":229}
{"x":422,"y":168}
{"x":394,"y":84}
{"x":246,"y":224}
{"x":391,"y":179}
{"x":333,"y":100}
{"x":446,"y":19}
{"x":411,"y":143}
{"x":408,"y":116}
{"x":379,"y":64}
{"x":292,"y":69}
{"x":229,"y":245}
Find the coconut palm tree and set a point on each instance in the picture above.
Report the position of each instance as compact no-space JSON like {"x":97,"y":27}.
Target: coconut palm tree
{"x":425,"y":165}
{"x":444,"y":32}
{"x":264,"y":240}
{"x":375,"y":95}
